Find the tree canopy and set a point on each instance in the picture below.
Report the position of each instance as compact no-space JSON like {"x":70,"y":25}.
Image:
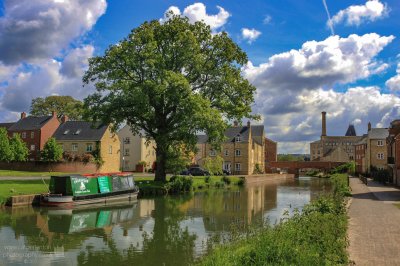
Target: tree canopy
{"x":63,"y":105}
{"x":19,"y":149}
{"x":171,"y":80}
{"x":6,"y":154}
{"x":52,"y":151}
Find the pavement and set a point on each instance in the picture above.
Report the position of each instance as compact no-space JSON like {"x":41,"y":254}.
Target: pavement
{"x":374,"y":224}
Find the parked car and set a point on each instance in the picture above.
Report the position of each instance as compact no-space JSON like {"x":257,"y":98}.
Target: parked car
{"x":195,"y":171}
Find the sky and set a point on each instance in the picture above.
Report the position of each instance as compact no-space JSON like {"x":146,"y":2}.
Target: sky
{"x":304,"y":57}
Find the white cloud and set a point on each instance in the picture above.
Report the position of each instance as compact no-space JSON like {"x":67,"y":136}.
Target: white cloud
{"x":294,"y":87}
{"x":36,"y":30}
{"x":48,"y":78}
{"x":394,"y":82}
{"x":357,"y":14}
{"x":198,"y":12}
{"x":267,"y":19}
{"x":319,"y":64}
{"x":250,"y":34}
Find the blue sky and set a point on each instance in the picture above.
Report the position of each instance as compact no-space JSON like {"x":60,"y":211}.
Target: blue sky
{"x":298,"y":65}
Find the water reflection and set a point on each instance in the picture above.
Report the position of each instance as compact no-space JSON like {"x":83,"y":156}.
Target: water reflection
{"x":156,"y":231}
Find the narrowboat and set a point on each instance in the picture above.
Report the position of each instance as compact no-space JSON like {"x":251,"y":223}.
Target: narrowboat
{"x":76,"y":190}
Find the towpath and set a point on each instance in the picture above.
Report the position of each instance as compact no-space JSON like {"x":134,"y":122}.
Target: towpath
{"x":374,"y":225}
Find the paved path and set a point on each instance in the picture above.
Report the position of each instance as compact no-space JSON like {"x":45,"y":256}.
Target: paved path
{"x":374,"y":226}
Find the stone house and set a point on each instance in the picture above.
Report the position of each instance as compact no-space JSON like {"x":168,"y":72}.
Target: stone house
{"x":34,"y":131}
{"x":376,"y":154}
{"x":135,"y":149}
{"x":81,"y":137}
{"x":242,"y":152}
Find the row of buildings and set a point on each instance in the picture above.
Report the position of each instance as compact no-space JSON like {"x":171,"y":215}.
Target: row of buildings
{"x":245,"y":151}
{"x":372,"y":151}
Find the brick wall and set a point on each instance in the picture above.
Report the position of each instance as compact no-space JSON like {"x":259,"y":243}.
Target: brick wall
{"x":68,"y":167}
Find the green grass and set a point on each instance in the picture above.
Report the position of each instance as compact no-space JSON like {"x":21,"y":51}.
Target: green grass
{"x":10,"y":188}
{"x":317,"y":236}
{"x":28,"y":173}
{"x":397,"y":205}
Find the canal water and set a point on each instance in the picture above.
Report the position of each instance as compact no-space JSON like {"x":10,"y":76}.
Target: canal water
{"x":152,"y":231}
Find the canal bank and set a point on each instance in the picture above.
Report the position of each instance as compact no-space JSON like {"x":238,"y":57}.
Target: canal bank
{"x":173,"y":230}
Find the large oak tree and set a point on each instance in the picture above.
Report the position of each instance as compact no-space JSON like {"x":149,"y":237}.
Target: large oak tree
{"x":171,"y":79}
{"x":63,"y":105}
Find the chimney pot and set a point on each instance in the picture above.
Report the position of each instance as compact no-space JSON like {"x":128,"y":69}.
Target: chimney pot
{"x":23,"y":115}
{"x":369,"y":126}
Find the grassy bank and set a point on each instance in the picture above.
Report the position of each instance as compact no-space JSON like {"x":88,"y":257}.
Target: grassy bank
{"x":317,"y":236}
{"x":10,"y":188}
{"x":26,"y":173}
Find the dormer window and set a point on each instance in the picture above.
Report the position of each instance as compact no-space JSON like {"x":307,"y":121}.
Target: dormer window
{"x":66,"y":132}
{"x":238,"y":138}
{"x":77,"y":132}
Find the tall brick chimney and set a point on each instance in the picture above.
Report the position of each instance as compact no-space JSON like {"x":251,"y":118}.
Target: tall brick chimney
{"x":23,"y":115}
{"x":323,"y":133}
{"x":64,"y":118}
{"x":369,"y":126}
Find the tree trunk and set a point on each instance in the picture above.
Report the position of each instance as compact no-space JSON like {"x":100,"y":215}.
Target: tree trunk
{"x":161,"y":158}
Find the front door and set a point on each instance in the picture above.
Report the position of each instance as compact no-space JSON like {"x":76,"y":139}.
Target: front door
{"x":227,"y":166}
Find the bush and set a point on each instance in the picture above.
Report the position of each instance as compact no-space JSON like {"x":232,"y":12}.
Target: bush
{"x":226,"y":180}
{"x":207,"y":179}
{"x":178,"y":184}
{"x":380,"y":175}
{"x":242,"y":181}
{"x":87,"y":158}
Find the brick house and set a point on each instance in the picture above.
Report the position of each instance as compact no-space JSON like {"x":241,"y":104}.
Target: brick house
{"x":393,"y":153}
{"x":80,"y":137}
{"x":360,"y":149}
{"x":35,"y":131}
{"x":242,"y":152}
{"x":271,"y":151}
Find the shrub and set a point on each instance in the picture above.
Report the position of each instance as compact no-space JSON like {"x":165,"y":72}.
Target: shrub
{"x":207,"y":179}
{"x":226,"y":180}
{"x":219,"y":184}
{"x":178,"y":184}
{"x":257,"y":169}
{"x":242,"y":181}
{"x":67,"y":156}
{"x":380,"y":175}
{"x":52,"y":151}
{"x":87,"y":158}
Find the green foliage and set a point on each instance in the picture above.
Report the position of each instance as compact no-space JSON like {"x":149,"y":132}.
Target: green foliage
{"x":317,"y":236}
{"x":380,"y":175}
{"x":242,"y":181}
{"x":257,"y":169}
{"x":63,"y":105}
{"x":171,"y":80}
{"x":349,"y":167}
{"x":207,"y":179}
{"x":226,"y":180}
{"x":52,"y":151}
{"x":213,"y":165}
{"x":6,"y":154}
{"x":18,"y":148}
{"x":177,"y":160}
{"x":289,"y":158}
{"x":97,"y":159}
{"x":178,"y":184}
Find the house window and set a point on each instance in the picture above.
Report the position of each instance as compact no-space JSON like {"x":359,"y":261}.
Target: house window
{"x":127,"y":140}
{"x":226,"y":153}
{"x":237,"y":153}
{"x":380,"y":156}
{"x":238,"y":138}
{"x":33,"y":147}
{"x":212,"y":153}
{"x":237,"y":166}
{"x":74,"y":147}
{"x":23,"y":135}
{"x":89,"y":147}
{"x":110,"y":149}
{"x":380,"y":142}
{"x":126,"y":153}
{"x":32,"y":135}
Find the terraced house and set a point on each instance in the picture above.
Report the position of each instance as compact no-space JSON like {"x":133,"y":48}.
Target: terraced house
{"x":243,"y":152}
{"x":80,"y":137}
{"x":34,"y":131}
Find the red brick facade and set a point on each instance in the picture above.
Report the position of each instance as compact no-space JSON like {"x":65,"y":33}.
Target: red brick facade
{"x":360,"y":157}
{"x":270,"y":151}
{"x":35,"y":139}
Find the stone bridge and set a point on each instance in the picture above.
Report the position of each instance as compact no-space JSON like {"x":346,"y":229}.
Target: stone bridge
{"x":294,"y":167}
